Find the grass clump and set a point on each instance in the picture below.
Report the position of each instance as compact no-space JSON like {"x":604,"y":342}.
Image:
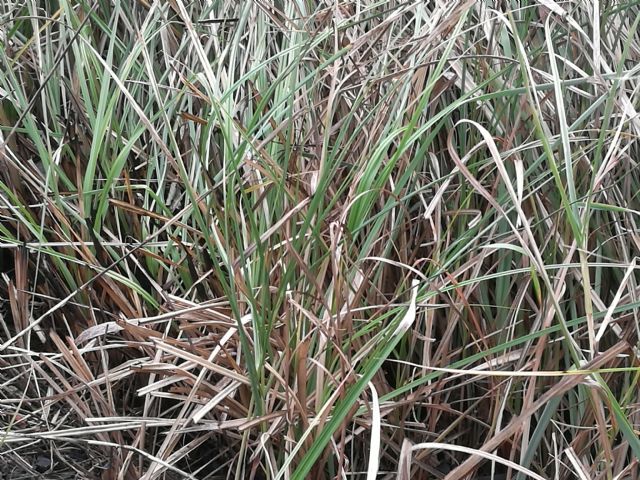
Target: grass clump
{"x":290,"y":240}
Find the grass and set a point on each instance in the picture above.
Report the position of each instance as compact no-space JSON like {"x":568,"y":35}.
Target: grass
{"x":291,"y":240}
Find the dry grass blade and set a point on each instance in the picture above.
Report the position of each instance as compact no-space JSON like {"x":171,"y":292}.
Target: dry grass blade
{"x":558,"y":389}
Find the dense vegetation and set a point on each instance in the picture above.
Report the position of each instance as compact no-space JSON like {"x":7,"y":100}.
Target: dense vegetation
{"x":297,"y":239}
